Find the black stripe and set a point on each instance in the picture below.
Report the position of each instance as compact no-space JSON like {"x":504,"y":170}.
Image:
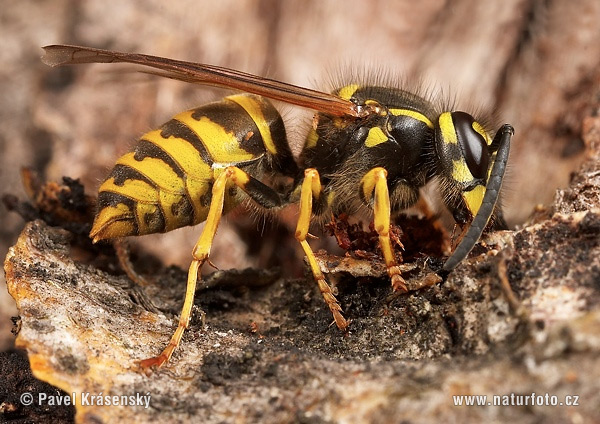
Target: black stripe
{"x":121,"y":173}
{"x":179,"y":129}
{"x":233,"y":118}
{"x":146,"y":149}
{"x":107,"y":199}
{"x":284,"y":161}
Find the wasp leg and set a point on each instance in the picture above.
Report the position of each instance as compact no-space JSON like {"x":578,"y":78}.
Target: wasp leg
{"x":202,"y":249}
{"x":311,"y":188}
{"x":374,"y":184}
{"x":123,"y":255}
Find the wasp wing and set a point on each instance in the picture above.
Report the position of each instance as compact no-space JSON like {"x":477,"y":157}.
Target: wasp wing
{"x":59,"y":55}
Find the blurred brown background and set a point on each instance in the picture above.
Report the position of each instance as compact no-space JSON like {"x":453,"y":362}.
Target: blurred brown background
{"x":531,"y":63}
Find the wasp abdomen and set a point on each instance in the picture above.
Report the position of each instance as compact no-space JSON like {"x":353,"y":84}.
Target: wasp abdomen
{"x":165,"y":182}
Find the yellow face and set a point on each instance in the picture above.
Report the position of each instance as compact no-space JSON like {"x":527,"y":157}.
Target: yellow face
{"x":465,"y":153}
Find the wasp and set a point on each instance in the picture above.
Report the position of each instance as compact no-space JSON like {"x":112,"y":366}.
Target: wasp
{"x":369,"y":145}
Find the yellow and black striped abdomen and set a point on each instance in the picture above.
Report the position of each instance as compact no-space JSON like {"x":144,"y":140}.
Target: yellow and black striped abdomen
{"x":165,"y":182}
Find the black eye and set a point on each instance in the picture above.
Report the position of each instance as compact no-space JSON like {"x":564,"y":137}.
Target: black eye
{"x":472,"y":144}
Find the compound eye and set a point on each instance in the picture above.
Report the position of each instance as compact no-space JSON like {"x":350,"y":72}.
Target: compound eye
{"x":472,"y":142}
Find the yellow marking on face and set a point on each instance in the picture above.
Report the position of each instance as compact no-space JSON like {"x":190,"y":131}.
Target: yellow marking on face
{"x":460,"y":171}
{"x":413,"y":114}
{"x":348,"y":91}
{"x":312,"y":138}
{"x":474,"y":198}
{"x":375,"y":137}
{"x":137,"y":190}
{"x":141,"y":210}
{"x":183,"y":153}
{"x":479,"y":129}
{"x":447,"y":128}
{"x":156,"y":170}
{"x":222,"y":145}
{"x":112,"y":222}
{"x":252,"y":107}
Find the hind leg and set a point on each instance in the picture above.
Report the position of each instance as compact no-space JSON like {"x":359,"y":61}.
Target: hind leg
{"x":257,"y":191}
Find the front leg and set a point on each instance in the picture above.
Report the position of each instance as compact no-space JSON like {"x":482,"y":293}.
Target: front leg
{"x":374,"y":185}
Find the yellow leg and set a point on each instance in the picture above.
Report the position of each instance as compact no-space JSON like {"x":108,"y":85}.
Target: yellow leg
{"x":311,"y":188}
{"x":200,"y":255}
{"x":374,"y":184}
